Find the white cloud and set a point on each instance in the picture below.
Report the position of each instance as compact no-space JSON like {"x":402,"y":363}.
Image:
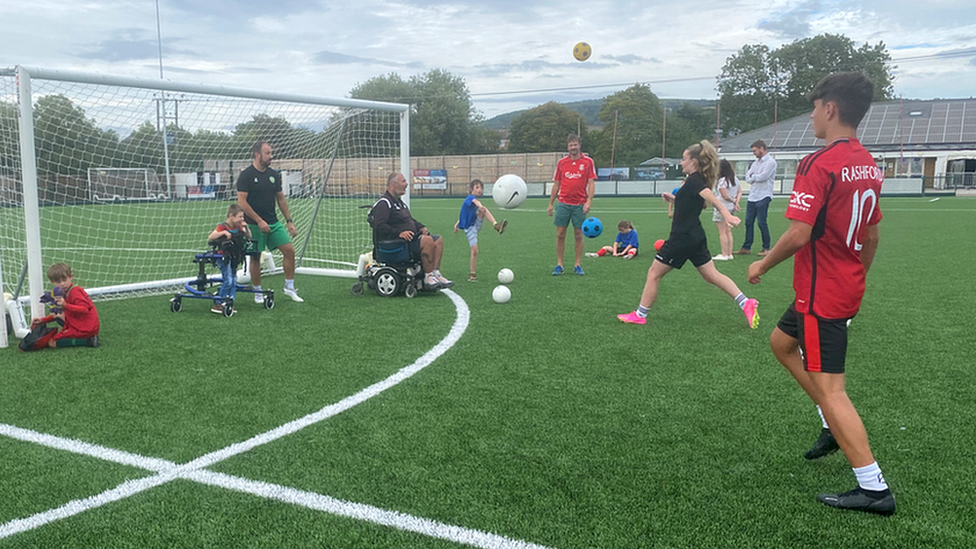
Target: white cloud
{"x":326,"y":48}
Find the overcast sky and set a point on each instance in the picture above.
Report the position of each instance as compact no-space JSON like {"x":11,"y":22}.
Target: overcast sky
{"x":506,"y":50}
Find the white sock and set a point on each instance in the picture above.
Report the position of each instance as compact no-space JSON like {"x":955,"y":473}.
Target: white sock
{"x":257,"y":288}
{"x":869,"y":477}
{"x":642,"y":310}
{"x":823,"y":419}
{"x":290,"y":284}
{"x":741,"y":300}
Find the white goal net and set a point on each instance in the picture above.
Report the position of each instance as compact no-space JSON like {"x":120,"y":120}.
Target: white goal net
{"x":124,"y":178}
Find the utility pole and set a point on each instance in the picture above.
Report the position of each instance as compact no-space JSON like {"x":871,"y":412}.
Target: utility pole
{"x":159,"y":45}
{"x":664,"y":141}
{"x":613,"y":144}
{"x":718,"y":122}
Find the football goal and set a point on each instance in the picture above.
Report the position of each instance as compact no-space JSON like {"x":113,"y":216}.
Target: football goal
{"x":123,"y":178}
{"x":125,"y":184}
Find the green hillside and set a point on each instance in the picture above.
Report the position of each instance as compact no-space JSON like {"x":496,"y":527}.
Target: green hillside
{"x":590,"y":108}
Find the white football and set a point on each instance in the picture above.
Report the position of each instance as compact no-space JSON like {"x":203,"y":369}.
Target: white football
{"x":509,"y":191}
{"x":506,"y":276}
{"x":501,"y":294}
{"x":243,"y":277}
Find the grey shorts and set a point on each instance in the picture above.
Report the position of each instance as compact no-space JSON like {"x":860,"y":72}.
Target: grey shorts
{"x":472,"y":231}
{"x":565,"y":213}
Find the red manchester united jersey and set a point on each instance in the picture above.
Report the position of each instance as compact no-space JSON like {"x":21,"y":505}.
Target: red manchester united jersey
{"x":836,"y":191}
{"x":572,"y":176}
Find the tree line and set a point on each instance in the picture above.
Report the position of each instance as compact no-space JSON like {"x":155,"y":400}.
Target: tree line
{"x":68,"y":142}
{"x":755,"y":83}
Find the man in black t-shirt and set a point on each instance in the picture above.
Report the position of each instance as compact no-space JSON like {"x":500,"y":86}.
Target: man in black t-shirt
{"x":258,"y":191}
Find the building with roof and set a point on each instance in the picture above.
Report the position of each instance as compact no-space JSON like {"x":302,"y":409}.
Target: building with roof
{"x":930,"y":142}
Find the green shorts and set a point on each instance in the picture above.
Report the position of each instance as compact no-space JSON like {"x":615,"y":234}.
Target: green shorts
{"x":275,"y":238}
{"x":565,"y":213}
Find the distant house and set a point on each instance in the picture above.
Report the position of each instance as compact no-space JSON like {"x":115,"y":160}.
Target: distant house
{"x":659,"y":168}
{"x":933,"y":140}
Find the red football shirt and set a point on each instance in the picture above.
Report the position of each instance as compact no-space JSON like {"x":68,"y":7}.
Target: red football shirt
{"x":836,"y":191}
{"x":80,"y":316}
{"x":573,"y":176}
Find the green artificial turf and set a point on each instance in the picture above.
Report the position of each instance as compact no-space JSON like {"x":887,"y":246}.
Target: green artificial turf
{"x":549,"y":421}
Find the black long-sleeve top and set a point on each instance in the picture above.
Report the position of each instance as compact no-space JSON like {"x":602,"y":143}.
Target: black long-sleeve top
{"x":391,"y":217}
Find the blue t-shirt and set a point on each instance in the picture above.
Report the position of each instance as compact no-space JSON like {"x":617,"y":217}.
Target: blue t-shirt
{"x":469,"y":212}
{"x":627,"y":239}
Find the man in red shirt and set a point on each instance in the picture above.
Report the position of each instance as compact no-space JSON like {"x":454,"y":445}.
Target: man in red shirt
{"x":575,"y":180}
{"x":833,"y":231}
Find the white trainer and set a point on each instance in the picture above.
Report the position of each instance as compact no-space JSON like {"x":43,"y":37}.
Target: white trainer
{"x":259,"y":298}
{"x":293,"y":294}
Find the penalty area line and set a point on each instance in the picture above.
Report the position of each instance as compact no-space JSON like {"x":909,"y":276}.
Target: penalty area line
{"x":74,"y":507}
{"x":457,"y":330}
{"x":86,"y":449}
{"x":168,"y":471}
{"x":360,"y":511}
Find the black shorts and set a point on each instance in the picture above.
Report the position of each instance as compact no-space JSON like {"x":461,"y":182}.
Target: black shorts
{"x":823,"y":343}
{"x":677,"y":250}
{"x":414,"y":245}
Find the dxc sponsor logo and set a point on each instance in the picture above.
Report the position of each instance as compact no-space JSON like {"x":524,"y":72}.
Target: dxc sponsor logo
{"x":801,"y":200}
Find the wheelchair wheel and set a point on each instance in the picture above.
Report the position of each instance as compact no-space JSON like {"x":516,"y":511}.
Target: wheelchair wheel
{"x":357,"y":288}
{"x":228,"y":310}
{"x":387,"y":282}
{"x":176,"y":304}
{"x":269,"y":301}
{"x":411,"y":290}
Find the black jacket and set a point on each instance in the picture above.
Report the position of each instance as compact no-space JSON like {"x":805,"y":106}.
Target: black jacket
{"x":391,"y":217}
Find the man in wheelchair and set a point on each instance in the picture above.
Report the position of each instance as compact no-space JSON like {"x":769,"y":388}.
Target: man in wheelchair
{"x":392,"y":221}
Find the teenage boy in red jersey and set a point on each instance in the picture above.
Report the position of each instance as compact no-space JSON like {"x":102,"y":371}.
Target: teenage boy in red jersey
{"x":833,"y":231}
{"x":575,"y":181}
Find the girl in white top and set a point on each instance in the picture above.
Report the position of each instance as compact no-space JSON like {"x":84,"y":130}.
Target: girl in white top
{"x":729,"y":193}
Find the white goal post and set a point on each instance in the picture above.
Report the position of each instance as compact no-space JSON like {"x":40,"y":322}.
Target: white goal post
{"x":123,"y":178}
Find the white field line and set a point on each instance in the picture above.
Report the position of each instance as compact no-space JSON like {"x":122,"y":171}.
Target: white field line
{"x":361,"y":511}
{"x":84,"y":448}
{"x":169,"y":471}
{"x":74,"y":507}
{"x":457,"y":330}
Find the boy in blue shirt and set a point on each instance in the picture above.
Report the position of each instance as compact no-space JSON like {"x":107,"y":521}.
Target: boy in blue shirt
{"x":624,"y":246}
{"x":473,"y":213}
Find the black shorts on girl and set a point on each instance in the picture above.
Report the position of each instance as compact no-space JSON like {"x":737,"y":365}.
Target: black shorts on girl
{"x":676,"y":251}
{"x":823,"y":343}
